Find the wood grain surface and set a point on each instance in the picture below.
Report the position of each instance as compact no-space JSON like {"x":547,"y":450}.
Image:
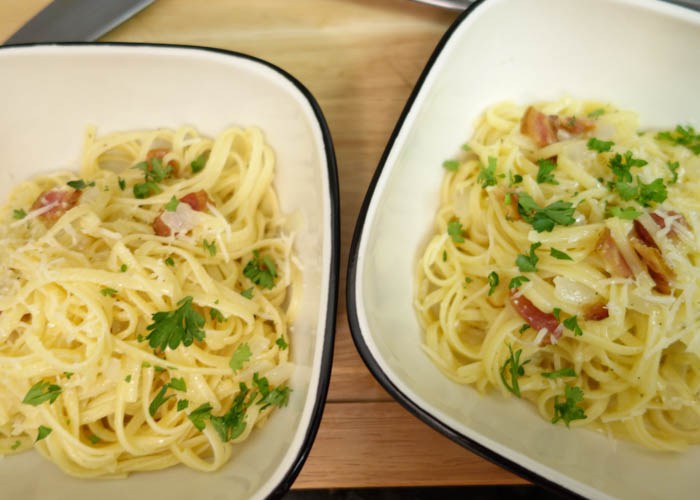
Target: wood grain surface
{"x":360,"y":59}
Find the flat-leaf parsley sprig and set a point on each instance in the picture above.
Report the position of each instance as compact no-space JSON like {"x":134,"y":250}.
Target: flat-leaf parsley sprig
{"x":172,"y":328}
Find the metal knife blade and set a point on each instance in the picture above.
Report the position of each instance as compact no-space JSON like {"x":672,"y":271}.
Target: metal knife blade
{"x":76,"y":20}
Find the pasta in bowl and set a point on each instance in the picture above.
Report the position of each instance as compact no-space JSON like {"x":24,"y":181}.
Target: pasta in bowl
{"x":145,"y":303}
{"x":564,"y":269}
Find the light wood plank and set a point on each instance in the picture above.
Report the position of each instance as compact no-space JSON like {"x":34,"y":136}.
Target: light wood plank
{"x":381,"y":444}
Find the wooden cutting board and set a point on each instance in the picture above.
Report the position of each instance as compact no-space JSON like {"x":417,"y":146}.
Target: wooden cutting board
{"x":360,"y":59}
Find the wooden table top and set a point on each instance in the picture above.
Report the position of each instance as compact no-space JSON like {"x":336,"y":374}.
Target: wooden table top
{"x":360,"y":59}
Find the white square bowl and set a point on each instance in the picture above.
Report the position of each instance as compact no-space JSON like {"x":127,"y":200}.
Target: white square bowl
{"x":51,"y":93}
{"x":641,"y":55}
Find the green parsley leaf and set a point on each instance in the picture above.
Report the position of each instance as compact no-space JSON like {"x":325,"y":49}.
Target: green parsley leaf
{"x":514,"y":179}
{"x":682,"y":136}
{"x":171,"y":206}
{"x":178,"y":384}
{"x":145,"y":190}
{"x":528,"y":263}
{"x":596,"y":113}
{"x":655,"y":191}
{"x":493,"y":282}
{"x":159,"y":400}
{"x":109,"y":292}
{"x":466,"y":147}
{"x":517,"y":281}
{"x":16,"y":445}
{"x":260,"y":272}
{"x":454,"y":229}
{"x":94,"y":439}
{"x":523,"y":328}
{"x":622,"y":165}
{"x":19,"y":214}
{"x":172,"y":328}
{"x":123,"y":268}
{"x":240,"y":356}
{"x":122,"y":183}
{"x":556,"y":312}
{"x":626,"y":190}
{"x":200,"y":415}
{"x":487,"y":175}
{"x":43,"y":432}
{"x":628,"y":213}
{"x":170,"y":262}
{"x":80,"y":184}
{"x":572,"y":324}
{"x":153,"y":170}
{"x":451,"y":165}
{"x":568,"y":410}
{"x":159,"y":369}
{"x":544,"y":219}
{"x":468,"y":280}
{"x":278,"y":397}
{"x":595,"y":144}
{"x":210,"y":247}
{"x":127,"y":379}
{"x":673,"y":167}
{"x":214,"y":313}
{"x":145,"y":364}
{"x":544,"y":175}
{"x":564,"y":372}
{"x":68,"y":375}
{"x":40,"y":392}
{"x":281,"y":343}
{"x":558,"y":254}
{"x":514,"y":369}
{"x":198,"y":164}
{"x":444,"y":255}
{"x":232,"y":424}
{"x":182,"y":404}
{"x":248,"y":293}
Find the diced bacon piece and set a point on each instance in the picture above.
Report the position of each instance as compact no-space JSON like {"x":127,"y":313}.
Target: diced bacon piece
{"x":159,"y":153}
{"x":678,"y":220}
{"x":539,"y":127}
{"x":613,"y":260}
{"x":197,"y":200}
{"x":160,"y":227}
{"x":536,"y":318}
{"x":596,"y":312}
{"x":575,"y":125}
{"x":643,"y":234}
{"x":658,"y":269}
{"x":61,"y":201}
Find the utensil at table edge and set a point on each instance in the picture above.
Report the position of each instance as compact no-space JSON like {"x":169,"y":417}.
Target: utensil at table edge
{"x":76,"y":20}
{"x":463,"y":4}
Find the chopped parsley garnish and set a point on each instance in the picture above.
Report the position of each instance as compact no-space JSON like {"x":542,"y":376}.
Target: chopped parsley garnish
{"x":596,"y":113}
{"x":80,"y":184}
{"x":556,"y":312}
{"x":544,"y":219}
{"x":682,"y":136}
{"x":94,"y":439}
{"x":466,"y":147}
{"x":127,"y":379}
{"x":528,"y":263}
{"x":514,"y":179}
{"x":454,"y":229}
{"x":517,"y":281}
{"x":16,"y":445}
{"x":467,"y":279}
{"x":171,"y":206}
{"x":444,"y":255}
{"x":200,"y":415}
{"x":232,"y":424}
{"x":159,"y":400}
{"x":514,"y":369}
{"x":493,"y":282}
{"x":673,"y":166}
{"x":215,"y":314}
{"x":68,"y":375}
{"x":544,"y":174}
{"x":564,"y":372}
{"x":109,"y":292}
{"x":210,"y":247}
{"x":487,"y":175}
{"x":159,"y":369}
{"x":170,"y":262}
{"x":178,"y":384}
{"x":524,"y":328}
{"x":568,"y":409}
{"x":182,"y":404}
{"x":622,"y":165}
{"x":261,"y":270}
{"x":451,"y":165}
{"x":40,"y":392}
{"x":240,"y":357}
{"x":123,"y":268}
{"x":572,"y":324}
{"x":558,"y":254}
{"x":172,"y":328}
{"x":278,"y":397}
{"x":629,"y":213}
{"x":198,"y":164}
{"x":655,"y":191}
{"x":248,"y":293}
{"x":19,"y":213}
{"x":595,"y":144}
{"x":281,"y":343}
{"x":43,"y":432}
{"x":153,"y":173}
{"x":122,"y":183}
